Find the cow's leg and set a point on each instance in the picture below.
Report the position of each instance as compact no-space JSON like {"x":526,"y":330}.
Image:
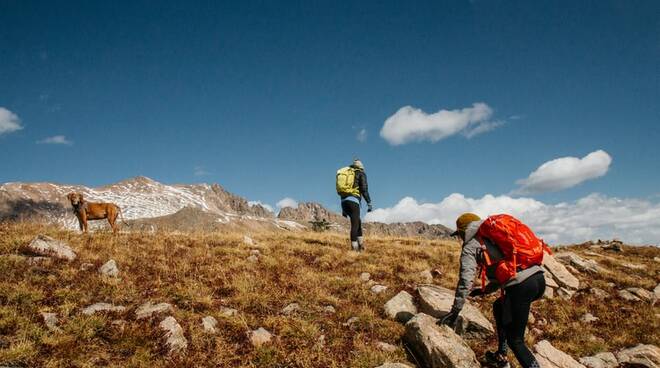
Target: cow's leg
{"x":80,"y":224}
{"x":83,"y":218}
{"x":112,"y":220}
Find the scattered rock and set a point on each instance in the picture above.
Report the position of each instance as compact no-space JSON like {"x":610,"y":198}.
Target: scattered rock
{"x":247,"y":240}
{"x":550,"y":357}
{"x":600,"y":360}
{"x":628,"y":296}
{"x":377,"y":289}
{"x":351,"y":321}
{"x":253,"y":259}
{"x":386,"y":347}
{"x":584,"y":265}
{"x":365,"y":276}
{"x":228,"y":312}
{"x":549,"y":293}
{"x":48,"y":247}
{"x":50,"y":319}
{"x":109,"y":269}
{"x":148,"y":309}
{"x":86,"y":266}
{"x":588,"y":318}
{"x":640,"y":355}
{"x":643,"y":294}
{"x":599,"y":293}
{"x":633,"y":266}
{"x":394,"y":365}
{"x":255,"y":252}
{"x":102,"y":307}
{"x":437,"y":346}
{"x":401,"y":307}
{"x":426,"y":277}
{"x":560,"y":273}
{"x":209,"y":323}
{"x":259,"y":337}
{"x":549,"y":280}
{"x":437,"y":301}
{"x":565,"y":293}
{"x":329,"y":309}
{"x":656,"y":292}
{"x":291,"y":309}
{"x":176,"y":341}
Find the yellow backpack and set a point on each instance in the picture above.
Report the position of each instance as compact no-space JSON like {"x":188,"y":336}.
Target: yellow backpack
{"x":346,"y":182}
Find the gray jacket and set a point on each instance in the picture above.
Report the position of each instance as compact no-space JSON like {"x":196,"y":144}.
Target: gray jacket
{"x":470,"y":254}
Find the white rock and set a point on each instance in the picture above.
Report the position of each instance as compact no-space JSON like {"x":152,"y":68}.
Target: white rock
{"x":560,"y":273}
{"x":209,"y":323}
{"x":253,"y":258}
{"x":600,"y":360}
{"x":549,"y":293}
{"x":386,"y":347}
{"x":549,"y":280}
{"x":550,"y":357}
{"x":255,"y":252}
{"x":148,"y":309}
{"x":86,"y":266}
{"x":401,"y":307}
{"x":628,"y":296}
{"x":109,"y":269}
{"x":259,"y":337}
{"x":644,"y":355}
{"x":377,"y":289}
{"x":176,"y":341}
{"x":588,"y":318}
{"x":437,"y":301}
{"x":599,"y":293}
{"x":437,"y":346}
{"x":228,"y":312}
{"x":634,"y":266}
{"x":365,"y":276}
{"x":351,"y":321}
{"x":50,"y":319}
{"x":329,"y":309}
{"x":291,"y":309}
{"x":247,"y":240}
{"x":643,"y":294}
{"x":585,"y":265}
{"x":565,"y":293}
{"x":102,"y":307}
{"x":48,"y":247}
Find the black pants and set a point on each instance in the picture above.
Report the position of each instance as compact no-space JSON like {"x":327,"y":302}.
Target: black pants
{"x":352,"y":210}
{"x":511,"y":315}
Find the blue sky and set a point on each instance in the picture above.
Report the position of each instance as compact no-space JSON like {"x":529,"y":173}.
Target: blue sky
{"x":268,"y":98}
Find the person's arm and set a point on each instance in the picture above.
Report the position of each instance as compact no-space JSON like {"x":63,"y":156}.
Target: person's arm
{"x":465,"y":280}
{"x":364,"y":187}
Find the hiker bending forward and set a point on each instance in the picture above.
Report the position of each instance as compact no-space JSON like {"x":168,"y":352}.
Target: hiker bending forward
{"x":352,"y":187}
{"x":511,"y":310}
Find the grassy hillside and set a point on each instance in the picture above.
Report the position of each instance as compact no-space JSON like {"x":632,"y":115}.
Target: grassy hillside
{"x":200,"y":273}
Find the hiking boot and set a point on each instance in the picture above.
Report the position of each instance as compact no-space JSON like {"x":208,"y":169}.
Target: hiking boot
{"x":496,"y":360}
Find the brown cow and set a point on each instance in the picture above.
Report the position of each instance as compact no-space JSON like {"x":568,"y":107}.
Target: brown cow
{"x":85,"y":211}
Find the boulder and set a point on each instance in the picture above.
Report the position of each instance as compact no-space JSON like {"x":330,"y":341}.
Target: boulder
{"x":550,"y":357}
{"x":640,"y":355}
{"x":377,"y":289}
{"x":109,"y":269}
{"x":48,"y":247}
{"x":600,"y":360}
{"x":437,"y":346}
{"x":175,"y":340}
{"x":148,"y":309}
{"x":584,"y":265}
{"x":401,"y":307}
{"x":560,"y":273}
{"x":259,"y":337}
{"x":102,"y":307}
{"x":50,"y":320}
{"x":209,"y":323}
{"x":437,"y":301}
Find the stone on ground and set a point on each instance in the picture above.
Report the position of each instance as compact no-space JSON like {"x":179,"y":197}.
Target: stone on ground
{"x":86,"y":266}
{"x":377,"y":289}
{"x":437,"y":301}
{"x":247,"y":240}
{"x":176,"y":341}
{"x":329,"y":309}
{"x":550,"y":357}
{"x":643,"y":294}
{"x":291,"y":309}
{"x":600,"y":360}
{"x":560,"y":273}
{"x":640,"y":355}
{"x":209,"y":323}
{"x":148,"y":309}
{"x":437,"y":346}
{"x":259,"y":337}
{"x":253,"y":258}
{"x":109,"y":269}
{"x":48,"y":247}
{"x":394,"y":365}
{"x":656,"y":292}
{"x":365,"y":276}
{"x":50,"y":319}
{"x":584,"y":265}
{"x":102,"y":307}
{"x":599,"y":293}
{"x":383,"y":346}
{"x":228,"y":312}
{"x":628,"y":296}
{"x":401,"y":307}
{"x":588,"y":318}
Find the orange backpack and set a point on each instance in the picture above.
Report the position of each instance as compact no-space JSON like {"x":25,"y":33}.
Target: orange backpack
{"x":519,"y":246}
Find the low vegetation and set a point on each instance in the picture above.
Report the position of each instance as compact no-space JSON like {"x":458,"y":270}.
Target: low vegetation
{"x":200,"y":273}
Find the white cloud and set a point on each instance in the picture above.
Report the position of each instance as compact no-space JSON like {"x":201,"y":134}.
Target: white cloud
{"x":259,"y":203}
{"x":200,"y":171}
{"x":564,"y":173}
{"x":9,"y":122}
{"x":362,"y":135}
{"x":593,"y":217}
{"x":410,"y":124}
{"x":56,"y":139}
{"x":287,"y":202}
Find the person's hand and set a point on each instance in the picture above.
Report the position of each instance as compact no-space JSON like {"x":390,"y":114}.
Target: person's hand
{"x":370,"y":207}
{"x":449,"y":319}
{"x":476,"y":292}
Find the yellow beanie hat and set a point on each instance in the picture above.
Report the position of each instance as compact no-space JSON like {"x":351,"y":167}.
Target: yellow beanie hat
{"x":463,"y":221}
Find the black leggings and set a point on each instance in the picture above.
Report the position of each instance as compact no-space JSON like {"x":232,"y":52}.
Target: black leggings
{"x":511,"y":314}
{"x":352,"y":210}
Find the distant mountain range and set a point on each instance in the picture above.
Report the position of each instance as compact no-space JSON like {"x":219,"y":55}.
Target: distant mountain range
{"x":149,"y":205}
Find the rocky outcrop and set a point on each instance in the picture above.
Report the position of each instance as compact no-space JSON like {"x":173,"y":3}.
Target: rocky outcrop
{"x":437,"y":301}
{"x":401,"y":307}
{"x":310,"y":211}
{"x":408,"y":229}
{"x":640,"y":355}
{"x":437,"y":346}
{"x":600,"y":360}
{"x":175,"y":340}
{"x":559,"y":273}
{"x":550,"y":357}
{"x":584,"y":265}
{"x":48,"y":247}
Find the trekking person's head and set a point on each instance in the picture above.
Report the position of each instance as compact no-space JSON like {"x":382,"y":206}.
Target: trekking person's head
{"x":462,"y":223}
{"x":358,"y":164}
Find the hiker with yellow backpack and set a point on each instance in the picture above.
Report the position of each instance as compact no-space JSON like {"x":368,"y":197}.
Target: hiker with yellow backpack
{"x":509,"y":255}
{"x":352,"y":187}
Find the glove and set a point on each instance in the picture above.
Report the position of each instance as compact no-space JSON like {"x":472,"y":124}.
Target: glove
{"x":476,"y":292}
{"x":370,"y":207}
{"x":449,"y":319}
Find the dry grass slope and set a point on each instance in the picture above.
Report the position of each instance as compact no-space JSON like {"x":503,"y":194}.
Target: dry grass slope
{"x":199,"y":273}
